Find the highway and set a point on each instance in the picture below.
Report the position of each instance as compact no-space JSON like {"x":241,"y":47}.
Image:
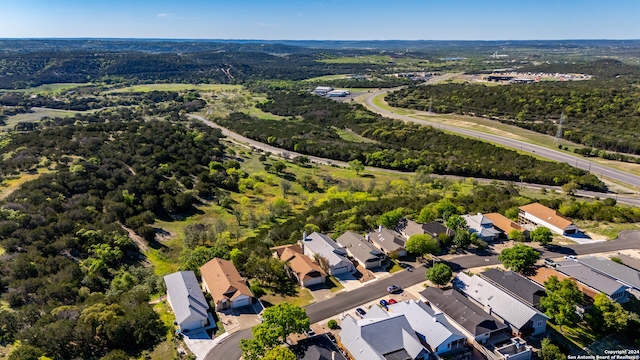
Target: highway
{"x":551,"y":154}
{"x":229,"y":350}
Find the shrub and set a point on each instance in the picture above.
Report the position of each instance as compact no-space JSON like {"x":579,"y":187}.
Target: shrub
{"x":332,"y":324}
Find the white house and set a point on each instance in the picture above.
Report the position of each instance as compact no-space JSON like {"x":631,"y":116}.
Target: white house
{"x":325,"y":247}
{"x":481,"y":225}
{"x":186,"y":299}
{"x":539,"y":215}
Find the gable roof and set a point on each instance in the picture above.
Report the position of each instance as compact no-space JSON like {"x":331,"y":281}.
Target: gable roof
{"x":463,"y":311}
{"x":323,"y":245}
{"x":502,"y":304}
{"x":279,"y":249}
{"x":381,"y":337}
{"x":389,"y":240}
{"x":361,"y":249}
{"x":623,"y":274}
{"x":317,"y":348}
{"x":423,"y":320}
{"x":629,"y":261}
{"x":544,"y":273}
{"x":304,"y":267}
{"x":223,"y":280}
{"x":588,"y":276}
{"x":410,"y":227}
{"x":503,"y":223}
{"x":481,"y":225}
{"x":516,"y":284}
{"x":186,"y":297}
{"x":546,"y":214}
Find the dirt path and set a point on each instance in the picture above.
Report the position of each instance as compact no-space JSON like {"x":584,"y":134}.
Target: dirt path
{"x":142,"y":244}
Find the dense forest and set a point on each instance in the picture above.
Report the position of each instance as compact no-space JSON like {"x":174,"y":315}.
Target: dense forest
{"x":71,"y":275}
{"x":599,"y":114}
{"x":312,"y":129}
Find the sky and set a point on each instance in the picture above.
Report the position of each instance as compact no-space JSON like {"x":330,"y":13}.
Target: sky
{"x":322,"y":19}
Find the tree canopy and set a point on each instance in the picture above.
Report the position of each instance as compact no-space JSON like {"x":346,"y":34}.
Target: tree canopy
{"x":561,"y":299}
{"x":440,"y":274}
{"x":421,"y":244}
{"x":542,"y":235}
{"x":519,"y":258}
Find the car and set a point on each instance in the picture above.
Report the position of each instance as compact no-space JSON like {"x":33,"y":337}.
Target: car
{"x":549,"y":262}
{"x":392,"y":301}
{"x":384,"y":303}
{"x":570,"y":257}
{"x":361,"y":312}
{"x":310,"y":333}
{"x":393,"y":289}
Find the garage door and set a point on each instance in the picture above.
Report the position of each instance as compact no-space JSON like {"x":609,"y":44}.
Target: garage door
{"x":241,"y":302}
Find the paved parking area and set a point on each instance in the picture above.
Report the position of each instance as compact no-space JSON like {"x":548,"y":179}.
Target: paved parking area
{"x":241,"y":318}
{"x":349,"y":281}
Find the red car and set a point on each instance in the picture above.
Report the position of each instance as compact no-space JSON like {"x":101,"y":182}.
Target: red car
{"x":392,"y":301}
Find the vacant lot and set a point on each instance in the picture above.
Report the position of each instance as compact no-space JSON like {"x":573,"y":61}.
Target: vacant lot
{"x":176,"y":87}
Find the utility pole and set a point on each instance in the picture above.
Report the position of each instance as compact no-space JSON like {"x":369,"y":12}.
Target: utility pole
{"x":559,"y":133}
{"x":430,"y":105}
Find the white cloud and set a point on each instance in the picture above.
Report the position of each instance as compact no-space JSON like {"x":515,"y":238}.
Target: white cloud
{"x":269,"y":25}
{"x":164,"y":15}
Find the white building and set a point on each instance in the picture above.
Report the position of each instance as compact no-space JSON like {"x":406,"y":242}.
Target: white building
{"x":187,"y":301}
{"x":539,"y":215}
{"x":324,"y":246}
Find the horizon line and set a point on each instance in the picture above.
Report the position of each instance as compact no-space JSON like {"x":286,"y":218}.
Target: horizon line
{"x":291,"y":40}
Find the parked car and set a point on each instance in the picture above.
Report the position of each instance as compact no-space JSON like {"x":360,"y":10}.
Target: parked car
{"x":310,"y":333}
{"x":393,"y":289}
{"x":384,"y":304}
{"x":549,"y":262}
{"x":361,"y":312}
{"x":570,"y":257}
{"x":392,"y":301}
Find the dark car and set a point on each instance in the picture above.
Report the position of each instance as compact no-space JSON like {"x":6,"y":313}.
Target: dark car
{"x":361,"y":312}
{"x":384,"y":303}
{"x":393,"y":289}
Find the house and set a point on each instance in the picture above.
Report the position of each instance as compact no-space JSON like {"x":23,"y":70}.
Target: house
{"x":505,"y":225}
{"x":463,"y":313}
{"x":521,"y":318}
{"x":482,"y":226}
{"x":381,"y":336}
{"x":516,"y":285}
{"x":629,"y":261}
{"x":322,"y":90}
{"x":324,"y":246}
{"x":543,"y":274}
{"x":227,"y":288}
{"x":187,"y":301}
{"x":409,"y":227}
{"x":623,"y":274}
{"x":366,"y":254}
{"x":388,"y":241}
{"x":593,"y":279}
{"x":303,"y":269}
{"x":317,"y":348}
{"x":431,"y":328}
{"x":539,"y":215}
{"x":338,"y":93}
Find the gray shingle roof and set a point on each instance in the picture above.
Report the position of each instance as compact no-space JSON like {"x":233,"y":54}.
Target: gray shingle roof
{"x":587,"y":276}
{"x":361,"y":249}
{"x":325,"y":246}
{"x":629,"y":261}
{"x":481,"y":225}
{"x":423,"y":320}
{"x":462,"y":310}
{"x":410,"y":227}
{"x":516,"y":284}
{"x":186,"y":296}
{"x":317,"y":348}
{"x":389,"y":240}
{"x":504,"y":305}
{"x":623,"y":274}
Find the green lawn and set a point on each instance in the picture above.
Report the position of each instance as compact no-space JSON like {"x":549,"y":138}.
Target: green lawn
{"x":394,"y":267}
{"x":303,"y":298}
{"x":36,"y":115}
{"x":351,"y":136}
{"x":254,"y":111}
{"x":579,"y":335}
{"x":176,"y":87}
{"x":48,"y":88}
{"x":333,"y":284}
{"x":163,"y":310}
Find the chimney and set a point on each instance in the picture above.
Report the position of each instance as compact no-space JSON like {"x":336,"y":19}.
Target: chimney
{"x":304,"y":236}
{"x":380,"y":228}
{"x":367,"y":237}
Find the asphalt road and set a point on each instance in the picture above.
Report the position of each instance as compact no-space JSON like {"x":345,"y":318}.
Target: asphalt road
{"x":551,"y":154}
{"x":229,"y":350}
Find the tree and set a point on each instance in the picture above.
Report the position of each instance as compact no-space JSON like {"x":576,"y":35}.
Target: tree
{"x":440,"y":274}
{"x":279,"y":353}
{"x":455,"y":222}
{"x":421,"y":244}
{"x":542,"y":235}
{"x":516,"y":235}
{"x":607,"y":316}
{"x":390,"y":218}
{"x":519,"y":258}
{"x":570,"y":188}
{"x":550,"y":351}
{"x":286,"y":187}
{"x":357,"y":166}
{"x":286,"y":319}
{"x":332,"y":324}
{"x":279,"y":166}
{"x":462,"y":239}
{"x":561,"y":300}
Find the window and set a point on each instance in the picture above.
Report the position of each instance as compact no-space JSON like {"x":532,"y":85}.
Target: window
{"x":539,"y":324}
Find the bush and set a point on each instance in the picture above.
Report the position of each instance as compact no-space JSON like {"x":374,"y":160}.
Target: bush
{"x":257,"y":290}
{"x":332,"y":324}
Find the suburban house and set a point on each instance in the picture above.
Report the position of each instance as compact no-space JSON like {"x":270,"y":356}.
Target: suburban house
{"x":388,"y":241}
{"x":360,"y":249}
{"x":521,"y":318}
{"x":316,"y":348}
{"x":409,"y":227}
{"x":324,"y":246}
{"x":586,"y":275}
{"x":463,"y":313}
{"x":227,"y":288}
{"x":505,"y":225}
{"x":516,"y":285}
{"x":187,"y":301}
{"x":543,"y":274}
{"x":482,"y":226}
{"x":619,"y":272}
{"x":381,"y":336}
{"x":304,"y":270}
{"x":539,"y":215}
{"x":432,"y":328}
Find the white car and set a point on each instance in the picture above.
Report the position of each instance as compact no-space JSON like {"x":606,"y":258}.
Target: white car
{"x":570,"y":257}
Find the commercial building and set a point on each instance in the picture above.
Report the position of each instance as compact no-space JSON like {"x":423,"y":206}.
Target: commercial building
{"x":322,"y":90}
{"x":338,"y":93}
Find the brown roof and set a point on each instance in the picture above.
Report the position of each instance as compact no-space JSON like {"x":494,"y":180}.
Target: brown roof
{"x":544,"y":273}
{"x":300,"y":264}
{"x":503,"y":223}
{"x":279,"y":249}
{"x":549,"y":215}
{"x":223,"y":280}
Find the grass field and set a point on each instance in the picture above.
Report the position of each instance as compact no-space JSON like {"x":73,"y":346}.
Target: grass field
{"x":11,"y":185}
{"x":36,"y":115}
{"x":579,"y":335}
{"x":326,"y":78}
{"x":48,"y":88}
{"x":176,"y":87}
{"x":353,"y":137}
{"x":608,"y":230}
{"x":303,"y":298}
